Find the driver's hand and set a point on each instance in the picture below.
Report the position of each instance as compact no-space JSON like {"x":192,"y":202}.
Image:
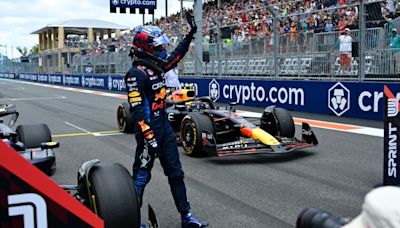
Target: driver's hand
{"x":150,"y":139}
{"x":191,"y":22}
{"x":148,"y":134}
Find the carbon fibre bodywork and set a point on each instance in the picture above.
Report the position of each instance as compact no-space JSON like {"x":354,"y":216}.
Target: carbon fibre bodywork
{"x":41,"y":154}
{"x":202,"y":127}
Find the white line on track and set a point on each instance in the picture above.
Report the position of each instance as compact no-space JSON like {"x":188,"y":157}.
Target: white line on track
{"x":107,"y":134}
{"x":32,"y":98}
{"x":79,"y":128}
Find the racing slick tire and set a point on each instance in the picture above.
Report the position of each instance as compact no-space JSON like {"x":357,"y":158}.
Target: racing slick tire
{"x":33,"y":135}
{"x":192,"y":126}
{"x":124,"y":118}
{"x":279,"y":122}
{"x":115,"y":196}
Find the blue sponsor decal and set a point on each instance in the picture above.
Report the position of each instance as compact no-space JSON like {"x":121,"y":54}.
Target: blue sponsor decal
{"x":143,"y":4}
{"x":7,"y":75}
{"x":43,"y":78}
{"x":93,"y":81}
{"x":29,"y":77}
{"x":56,"y":79}
{"x":116,"y":83}
{"x":72,"y":80}
{"x":348,"y":99}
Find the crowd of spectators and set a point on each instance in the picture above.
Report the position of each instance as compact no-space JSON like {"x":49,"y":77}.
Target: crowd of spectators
{"x":103,"y":46}
{"x":245,"y":20}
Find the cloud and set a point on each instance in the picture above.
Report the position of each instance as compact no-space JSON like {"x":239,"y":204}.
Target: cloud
{"x":20,"y":17}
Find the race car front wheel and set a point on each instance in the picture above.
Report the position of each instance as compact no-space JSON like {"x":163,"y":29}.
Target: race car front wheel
{"x":192,"y":127}
{"x":33,"y":135}
{"x":114,"y":195}
{"x":278,"y":122}
{"x":124,"y":118}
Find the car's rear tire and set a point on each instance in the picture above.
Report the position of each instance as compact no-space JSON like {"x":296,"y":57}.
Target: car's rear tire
{"x":115,"y":195}
{"x":33,"y":135}
{"x":192,"y":126}
{"x":124,"y":118}
{"x":279,"y":122}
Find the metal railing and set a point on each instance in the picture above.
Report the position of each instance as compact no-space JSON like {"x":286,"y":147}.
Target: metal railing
{"x":305,"y":55}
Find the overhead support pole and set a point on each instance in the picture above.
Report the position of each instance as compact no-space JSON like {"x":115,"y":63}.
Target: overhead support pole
{"x":276,"y":38}
{"x":198,"y":42}
{"x":361,"y":49}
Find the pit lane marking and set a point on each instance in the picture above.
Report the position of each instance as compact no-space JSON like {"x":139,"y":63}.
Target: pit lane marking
{"x":96,"y":134}
{"x":79,"y":128}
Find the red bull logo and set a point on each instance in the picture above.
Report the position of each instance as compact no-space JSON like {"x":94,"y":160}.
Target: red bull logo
{"x":156,"y":106}
{"x":161,"y":95}
{"x":143,"y":126}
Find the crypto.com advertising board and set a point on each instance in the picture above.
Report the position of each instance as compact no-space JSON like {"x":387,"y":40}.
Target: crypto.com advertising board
{"x":349,"y":99}
{"x":140,"y":4}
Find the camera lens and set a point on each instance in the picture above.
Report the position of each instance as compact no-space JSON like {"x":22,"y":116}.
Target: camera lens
{"x":315,"y":218}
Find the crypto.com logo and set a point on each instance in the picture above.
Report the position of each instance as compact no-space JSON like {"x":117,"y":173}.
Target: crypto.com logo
{"x":339,"y":99}
{"x":115,"y":2}
{"x":213,"y":89}
{"x":31,"y":206}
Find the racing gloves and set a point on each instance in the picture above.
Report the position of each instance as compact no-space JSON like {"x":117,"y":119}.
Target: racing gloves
{"x":148,"y":135}
{"x":192,"y":23}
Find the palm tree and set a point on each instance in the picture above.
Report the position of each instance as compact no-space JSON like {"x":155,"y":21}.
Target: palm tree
{"x":23,"y":51}
{"x":34,"y":50}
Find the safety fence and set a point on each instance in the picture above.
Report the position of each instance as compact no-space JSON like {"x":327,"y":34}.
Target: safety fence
{"x":382,"y":64}
{"x":307,"y":55}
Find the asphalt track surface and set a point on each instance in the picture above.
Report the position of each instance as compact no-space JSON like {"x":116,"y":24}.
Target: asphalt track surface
{"x":237,"y":191}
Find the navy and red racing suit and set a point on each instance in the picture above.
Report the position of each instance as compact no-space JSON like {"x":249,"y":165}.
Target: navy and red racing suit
{"x":154,"y":134}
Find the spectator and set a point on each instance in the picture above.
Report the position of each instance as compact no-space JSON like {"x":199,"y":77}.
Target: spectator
{"x":395,"y":46}
{"x":345,"y":41}
{"x":391,"y":6}
{"x":329,"y":25}
{"x":293,"y":36}
{"x":172,"y":79}
{"x":394,"y":40}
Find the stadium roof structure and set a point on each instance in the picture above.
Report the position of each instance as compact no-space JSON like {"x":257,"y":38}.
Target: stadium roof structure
{"x":80,"y":26}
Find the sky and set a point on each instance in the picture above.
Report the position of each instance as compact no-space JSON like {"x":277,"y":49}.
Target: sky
{"x":19,"y":18}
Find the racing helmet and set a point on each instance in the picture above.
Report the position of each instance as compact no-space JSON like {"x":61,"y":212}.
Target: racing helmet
{"x":150,"y":41}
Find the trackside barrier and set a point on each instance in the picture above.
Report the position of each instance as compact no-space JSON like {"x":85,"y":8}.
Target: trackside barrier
{"x":7,"y":75}
{"x":348,"y":99}
{"x":108,"y":82}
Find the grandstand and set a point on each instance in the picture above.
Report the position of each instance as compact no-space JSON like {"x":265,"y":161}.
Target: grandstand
{"x":59,"y":42}
{"x":238,"y":37}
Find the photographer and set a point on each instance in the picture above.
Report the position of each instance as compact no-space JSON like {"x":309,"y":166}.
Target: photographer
{"x":381,"y":209}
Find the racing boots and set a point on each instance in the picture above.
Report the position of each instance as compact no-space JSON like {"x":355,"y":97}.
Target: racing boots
{"x":143,"y":225}
{"x":189,"y":221}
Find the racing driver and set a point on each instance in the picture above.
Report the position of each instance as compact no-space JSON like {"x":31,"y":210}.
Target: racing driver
{"x":146,"y":94}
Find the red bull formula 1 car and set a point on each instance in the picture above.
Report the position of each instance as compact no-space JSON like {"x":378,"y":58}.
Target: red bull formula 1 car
{"x":201,"y":127}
